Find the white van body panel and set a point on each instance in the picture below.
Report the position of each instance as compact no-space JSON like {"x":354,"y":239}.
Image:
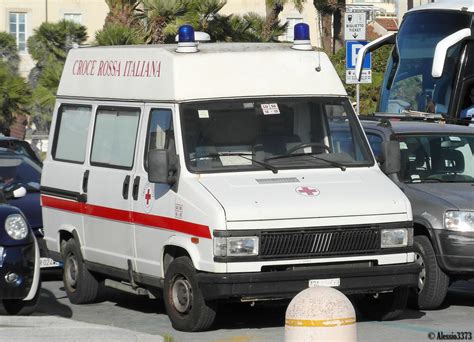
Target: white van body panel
{"x":274,"y":201}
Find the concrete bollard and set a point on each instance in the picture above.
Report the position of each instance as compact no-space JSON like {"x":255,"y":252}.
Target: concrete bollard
{"x":320,"y":314}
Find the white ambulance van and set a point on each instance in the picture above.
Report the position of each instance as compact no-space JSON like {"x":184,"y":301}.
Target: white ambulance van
{"x":219,"y":172}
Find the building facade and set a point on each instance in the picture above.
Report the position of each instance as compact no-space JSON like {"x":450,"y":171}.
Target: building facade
{"x":21,"y":17}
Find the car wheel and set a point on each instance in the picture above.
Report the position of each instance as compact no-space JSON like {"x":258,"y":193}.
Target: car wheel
{"x":21,"y":307}
{"x":183,"y":299}
{"x":80,"y":285}
{"x":383,"y":306}
{"x":433,"y":283}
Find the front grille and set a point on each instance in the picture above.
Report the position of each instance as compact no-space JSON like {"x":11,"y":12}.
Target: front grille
{"x":316,"y":243}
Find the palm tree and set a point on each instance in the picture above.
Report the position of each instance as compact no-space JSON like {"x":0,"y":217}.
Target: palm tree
{"x":326,"y":10}
{"x":122,"y":12}
{"x":273,"y":10}
{"x":118,"y":34}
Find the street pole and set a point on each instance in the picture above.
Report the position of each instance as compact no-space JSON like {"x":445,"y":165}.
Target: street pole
{"x":357,"y":98}
{"x":46,"y":10}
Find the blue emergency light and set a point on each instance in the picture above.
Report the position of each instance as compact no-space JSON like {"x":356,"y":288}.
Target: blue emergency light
{"x":186,"y":34}
{"x":186,"y":40}
{"x":301,"y":37}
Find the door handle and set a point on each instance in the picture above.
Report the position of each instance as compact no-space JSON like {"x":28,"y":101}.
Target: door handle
{"x":85,"y":180}
{"x":136,"y":184}
{"x":125,"y":187}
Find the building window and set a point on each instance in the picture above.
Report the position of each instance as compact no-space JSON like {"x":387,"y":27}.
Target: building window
{"x":18,"y":29}
{"x":74,"y":17}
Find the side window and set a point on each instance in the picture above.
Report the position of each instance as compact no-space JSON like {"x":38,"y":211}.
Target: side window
{"x":160,"y":131}
{"x":115,"y":136}
{"x":375,"y":142}
{"x":72,"y":129}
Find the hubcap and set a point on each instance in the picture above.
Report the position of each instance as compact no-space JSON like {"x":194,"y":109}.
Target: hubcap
{"x":422,"y":275}
{"x":70,"y":270}
{"x":181,"y":294}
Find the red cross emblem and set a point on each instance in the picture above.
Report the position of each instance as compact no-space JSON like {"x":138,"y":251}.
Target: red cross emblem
{"x":148,"y":197}
{"x":307,"y":191}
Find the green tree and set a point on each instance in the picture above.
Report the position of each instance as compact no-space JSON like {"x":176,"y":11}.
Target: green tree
{"x":49,"y":46}
{"x":330,"y":11}
{"x":14,"y":95}
{"x":8,"y":51}
{"x":369,"y":93}
{"x":122,"y":12}
{"x":273,"y":10}
{"x":118,"y":34}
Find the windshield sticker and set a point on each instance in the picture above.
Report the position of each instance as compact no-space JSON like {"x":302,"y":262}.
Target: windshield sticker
{"x":248,"y":105}
{"x":203,"y":114}
{"x":148,"y":197}
{"x":307,"y":191}
{"x":270,"y":108}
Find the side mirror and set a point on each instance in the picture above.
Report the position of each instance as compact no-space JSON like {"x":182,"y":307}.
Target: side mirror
{"x":390,"y":157}
{"x":15,"y":191}
{"x":442,"y":47}
{"x":372,"y":46}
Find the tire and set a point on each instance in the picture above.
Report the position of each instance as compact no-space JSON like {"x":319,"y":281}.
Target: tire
{"x":383,"y":306}
{"x":183,"y":299}
{"x":80,"y":285}
{"x":433,"y":283}
{"x":20,"y":307}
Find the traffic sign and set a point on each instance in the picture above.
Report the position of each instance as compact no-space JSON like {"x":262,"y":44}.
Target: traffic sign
{"x":355,"y":26}
{"x":352,"y":49}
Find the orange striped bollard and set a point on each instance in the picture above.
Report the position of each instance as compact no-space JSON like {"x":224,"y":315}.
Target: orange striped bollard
{"x":320,"y":314}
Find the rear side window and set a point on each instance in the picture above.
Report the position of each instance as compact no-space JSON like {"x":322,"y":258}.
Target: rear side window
{"x":71,"y":133}
{"x":115,"y":136}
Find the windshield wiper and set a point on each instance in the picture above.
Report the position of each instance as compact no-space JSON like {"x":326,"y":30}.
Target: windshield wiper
{"x":312,"y":155}
{"x":239,"y":154}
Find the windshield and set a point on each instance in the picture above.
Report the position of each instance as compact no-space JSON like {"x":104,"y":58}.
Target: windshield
{"x":408,"y":84}
{"x":273,"y":134}
{"x":17,"y":169}
{"x":437,"y":158}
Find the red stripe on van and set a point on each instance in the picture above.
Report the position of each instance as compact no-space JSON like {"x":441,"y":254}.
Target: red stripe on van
{"x":148,"y":220}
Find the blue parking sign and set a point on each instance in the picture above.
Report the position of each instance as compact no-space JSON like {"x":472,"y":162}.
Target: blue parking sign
{"x":352,"y":49}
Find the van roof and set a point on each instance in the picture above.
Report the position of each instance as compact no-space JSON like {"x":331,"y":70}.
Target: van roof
{"x":218,"y":70}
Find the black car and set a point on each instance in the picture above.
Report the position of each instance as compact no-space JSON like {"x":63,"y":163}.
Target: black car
{"x":21,"y":147}
{"x":18,"y":169}
{"x":19,"y":258}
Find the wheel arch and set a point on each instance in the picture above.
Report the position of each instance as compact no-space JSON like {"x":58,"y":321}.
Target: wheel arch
{"x":175,"y":247}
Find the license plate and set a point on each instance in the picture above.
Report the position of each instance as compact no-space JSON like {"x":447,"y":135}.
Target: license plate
{"x":333,"y":282}
{"x":47,"y":263}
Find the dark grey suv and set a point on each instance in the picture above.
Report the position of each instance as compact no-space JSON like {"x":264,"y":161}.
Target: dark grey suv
{"x":437,"y":175}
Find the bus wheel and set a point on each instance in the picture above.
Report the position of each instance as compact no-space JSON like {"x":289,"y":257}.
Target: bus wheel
{"x":184,"y":303}
{"x":383,"y":306}
{"x":433,"y":283}
{"x":80,"y":285}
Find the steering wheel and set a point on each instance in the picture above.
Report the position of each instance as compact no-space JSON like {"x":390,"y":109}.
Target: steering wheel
{"x":303,"y":145}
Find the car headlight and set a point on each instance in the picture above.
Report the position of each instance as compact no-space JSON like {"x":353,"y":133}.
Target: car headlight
{"x":400,"y":237}
{"x":461,"y":221}
{"x":236,"y":246}
{"x":16,"y":227}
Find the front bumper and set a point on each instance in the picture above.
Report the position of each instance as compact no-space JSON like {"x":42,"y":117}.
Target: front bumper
{"x":20,"y":260}
{"x":456,"y":254}
{"x":286,"y":284}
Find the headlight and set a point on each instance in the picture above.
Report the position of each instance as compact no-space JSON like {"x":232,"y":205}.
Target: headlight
{"x":16,"y":227}
{"x":461,"y":221}
{"x":236,"y":246}
{"x":391,"y":238}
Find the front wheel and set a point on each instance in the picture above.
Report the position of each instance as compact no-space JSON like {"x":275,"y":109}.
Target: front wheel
{"x":184,"y":302}
{"x":383,"y":306}
{"x":433,"y":283}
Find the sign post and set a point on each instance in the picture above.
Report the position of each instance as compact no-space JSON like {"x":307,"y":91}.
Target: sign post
{"x":355,"y":29}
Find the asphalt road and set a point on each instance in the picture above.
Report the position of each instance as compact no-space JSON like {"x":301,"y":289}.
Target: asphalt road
{"x":124,"y":317}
